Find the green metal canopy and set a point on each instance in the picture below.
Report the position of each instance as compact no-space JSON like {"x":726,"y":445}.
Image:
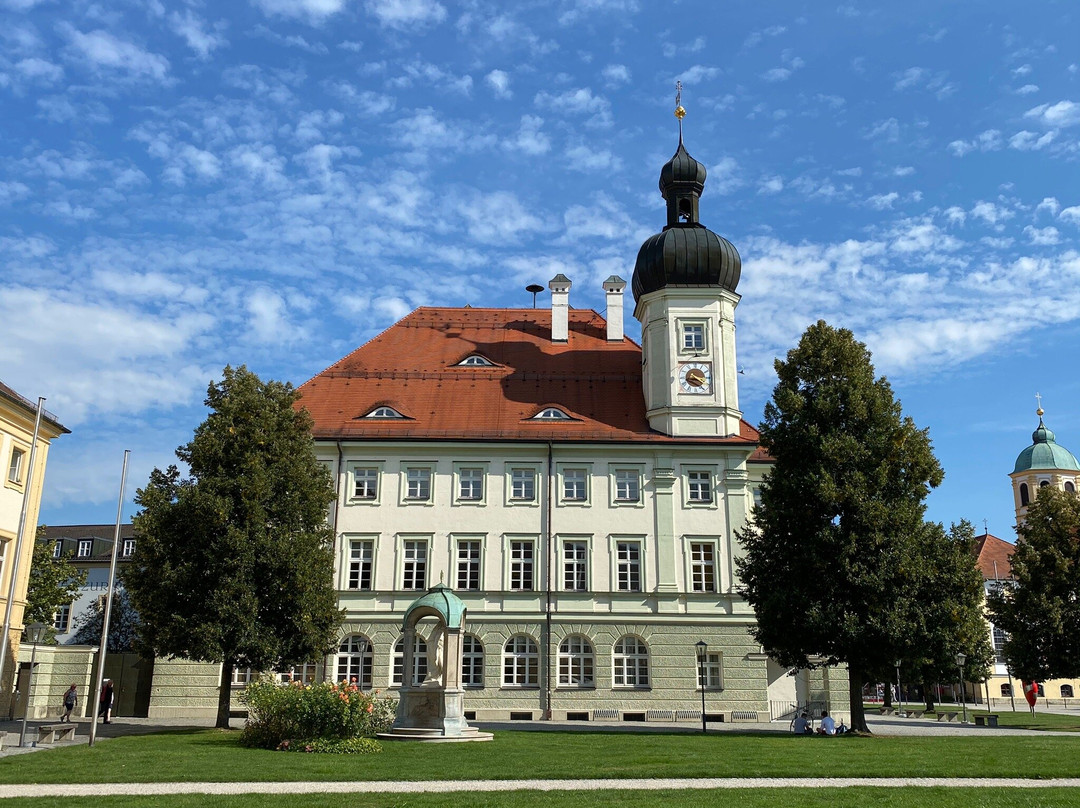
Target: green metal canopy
{"x":440,"y":599}
{"x":1045,"y":453}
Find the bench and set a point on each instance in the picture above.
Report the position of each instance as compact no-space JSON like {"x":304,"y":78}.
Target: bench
{"x":51,"y":733}
{"x":947,"y":716}
{"x":3,"y":736}
{"x":915,"y":713}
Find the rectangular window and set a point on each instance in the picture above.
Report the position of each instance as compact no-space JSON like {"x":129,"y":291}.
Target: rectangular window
{"x":365,"y":483}
{"x":127,"y":549}
{"x":702,"y":568}
{"x":58,"y":548}
{"x":471,"y":484}
{"x":86,"y":546}
{"x":575,"y":485}
{"x":999,"y":637}
{"x":15,"y":470}
{"x":418,"y":484}
{"x":699,"y":486}
{"x":693,"y":337}
{"x":575,"y":566}
{"x":414,"y":573}
{"x":62,"y":618}
{"x":710,"y":673}
{"x":523,"y":484}
{"x":468,"y":565}
{"x":360,"y":558}
{"x":304,"y":672}
{"x":241,"y":676}
{"x":627,"y":485}
{"x":472,"y":662}
{"x":521,"y":565}
{"x":629,"y":566}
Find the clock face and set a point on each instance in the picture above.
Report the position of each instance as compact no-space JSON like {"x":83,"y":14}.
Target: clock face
{"x":695,"y":377}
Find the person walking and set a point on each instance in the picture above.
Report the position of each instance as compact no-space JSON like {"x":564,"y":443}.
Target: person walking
{"x":71,"y":698}
{"x":105,"y":701}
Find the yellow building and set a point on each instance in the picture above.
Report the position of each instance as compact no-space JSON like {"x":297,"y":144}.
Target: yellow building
{"x":17,"y":416}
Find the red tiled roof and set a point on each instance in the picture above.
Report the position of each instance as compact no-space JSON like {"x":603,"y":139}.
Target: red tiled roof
{"x":412,"y":367}
{"x":992,"y":555}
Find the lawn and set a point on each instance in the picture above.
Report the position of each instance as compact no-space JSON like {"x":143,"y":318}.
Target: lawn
{"x":214,"y":755}
{"x":743,"y":798}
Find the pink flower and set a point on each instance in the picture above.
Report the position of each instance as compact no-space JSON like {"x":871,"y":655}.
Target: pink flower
{"x":370,"y":707}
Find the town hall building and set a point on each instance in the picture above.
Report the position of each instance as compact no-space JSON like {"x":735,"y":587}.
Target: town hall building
{"x":580,"y":493}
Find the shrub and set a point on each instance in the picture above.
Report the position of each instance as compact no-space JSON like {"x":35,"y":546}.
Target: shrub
{"x":347,"y":746}
{"x":320,"y":711}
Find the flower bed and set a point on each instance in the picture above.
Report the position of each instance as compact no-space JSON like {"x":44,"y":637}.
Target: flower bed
{"x":320,"y":717}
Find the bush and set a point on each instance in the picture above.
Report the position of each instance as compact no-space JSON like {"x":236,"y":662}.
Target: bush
{"x":348,"y":746}
{"x":323,"y":711}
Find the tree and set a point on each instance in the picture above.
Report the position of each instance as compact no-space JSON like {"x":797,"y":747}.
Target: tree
{"x":54,"y":582}
{"x":234,"y":563}
{"x":1040,"y":613}
{"x":831,"y":553}
{"x":950,"y":618}
{"x":123,"y":624}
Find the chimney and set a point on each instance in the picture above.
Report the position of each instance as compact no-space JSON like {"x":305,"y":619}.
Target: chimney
{"x":559,"y":286}
{"x":614,"y":287}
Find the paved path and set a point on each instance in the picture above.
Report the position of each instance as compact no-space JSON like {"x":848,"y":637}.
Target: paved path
{"x":445,"y":786}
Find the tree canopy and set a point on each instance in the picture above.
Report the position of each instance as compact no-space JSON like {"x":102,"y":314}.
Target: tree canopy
{"x":1040,"y":612}
{"x":834,"y":555}
{"x":234,"y":562}
{"x":54,"y":582}
{"x":123,"y":624}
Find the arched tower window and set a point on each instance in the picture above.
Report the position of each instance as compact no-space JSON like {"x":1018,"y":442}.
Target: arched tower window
{"x":1070,"y":487}
{"x":1024,"y":497}
{"x":1044,"y":484}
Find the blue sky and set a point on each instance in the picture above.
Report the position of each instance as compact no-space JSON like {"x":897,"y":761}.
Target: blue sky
{"x":272,"y":182}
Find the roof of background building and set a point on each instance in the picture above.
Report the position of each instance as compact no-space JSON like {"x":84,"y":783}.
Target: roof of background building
{"x":414,"y":368}
{"x":15,"y":398}
{"x":102,"y":536}
{"x":1045,"y":453}
{"x":992,"y":555}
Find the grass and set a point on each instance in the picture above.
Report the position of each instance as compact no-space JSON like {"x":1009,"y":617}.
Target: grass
{"x":743,"y":798}
{"x":1020,"y":719}
{"x":214,"y":755}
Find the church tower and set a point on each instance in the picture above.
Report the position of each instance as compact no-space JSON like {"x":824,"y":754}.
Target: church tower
{"x":684,"y":287}
{"x":1044,"y":463}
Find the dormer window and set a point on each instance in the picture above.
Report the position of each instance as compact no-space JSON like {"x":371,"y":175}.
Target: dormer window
{"x":476,"y":361}
{"x":384,"y":412}
{"x":551,"y":414}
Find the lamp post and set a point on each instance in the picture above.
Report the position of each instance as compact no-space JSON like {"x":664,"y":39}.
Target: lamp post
{"x":899,"y":692}
{"x":34,"y":633}
{"x":702,"y":647}
{"x":960,"y":660}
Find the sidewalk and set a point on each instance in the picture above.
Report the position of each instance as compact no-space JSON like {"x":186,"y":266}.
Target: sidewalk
{"x":116,"y":728}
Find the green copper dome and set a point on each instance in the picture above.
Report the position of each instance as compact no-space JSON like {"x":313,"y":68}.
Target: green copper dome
{"x":439,"y":599}
{"x":1044,"y":453}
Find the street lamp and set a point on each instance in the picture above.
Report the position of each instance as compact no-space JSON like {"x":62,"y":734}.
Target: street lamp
{"x":899,"y":692}
{"x":960,"y":660}
{"x":702,"y":648}
{"x":34,"y":634}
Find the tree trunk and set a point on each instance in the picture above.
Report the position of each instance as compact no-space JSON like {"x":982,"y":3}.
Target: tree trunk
{"x":224,"y":701}
{"x":858,"y":715}
{"x":886,"y":695}
{"x":928,"y":693}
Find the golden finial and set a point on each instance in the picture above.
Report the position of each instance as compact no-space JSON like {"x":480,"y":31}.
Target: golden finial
{"x":1039,"y":412}
{"x":680,"y":112}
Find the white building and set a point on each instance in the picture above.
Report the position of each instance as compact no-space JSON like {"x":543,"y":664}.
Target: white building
{"x":579,"y":493}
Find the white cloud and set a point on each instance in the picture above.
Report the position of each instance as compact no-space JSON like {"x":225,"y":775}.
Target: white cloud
{"x":771,"y":185}
{"x":903,"y":171}
{"x":616,"y":74}
{"x":592,"y":158}
{"x":989,"y":140}
{"x":529,"y":139}
{"x":499,"y":82}
{"x":314,"y":11}
{"x":403,"y":14}
{"x":1023,"y":70}
{"x":888,"y":129}
{"x":40,"y":70}
{"x":579,"y":101}
{"x":990,"y":213}
{"x":1027,"y":89}
{"x":1042,"y":236}
{"x":192,"y":29}
{"x":1031,"y":141}
{"x":1071,"y":215}
{"x":921,"y":78}
{"x":882,"y":201}
{"x":698,"y":74}
{"x":724,"y":176}
{"x":1063,"y":113}
{"x":1049,"y":204}
{"x":103,"y":50}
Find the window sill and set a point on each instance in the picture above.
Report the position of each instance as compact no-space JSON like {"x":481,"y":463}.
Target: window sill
{"x":633,"y":687}
{"x":519,"y":687}
{"x":572,"y":688}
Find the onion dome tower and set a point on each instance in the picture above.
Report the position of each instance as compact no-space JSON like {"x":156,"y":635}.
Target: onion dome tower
{"x":684,"y":287}
{"x":1043,"y":464}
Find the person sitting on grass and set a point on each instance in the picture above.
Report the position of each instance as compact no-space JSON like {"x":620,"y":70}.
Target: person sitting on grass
{"x":828,"y":726}
{"x":801,"y":726}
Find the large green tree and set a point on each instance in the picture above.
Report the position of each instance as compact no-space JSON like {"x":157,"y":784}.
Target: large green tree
{"x":234,"y":563}
{"x":1040,"y":612}
{"x":123,"y":624}
{"x":54,"y":582}
{"x":832,"y":551}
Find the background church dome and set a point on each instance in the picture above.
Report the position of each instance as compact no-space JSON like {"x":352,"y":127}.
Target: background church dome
{"x":1045,"y":453}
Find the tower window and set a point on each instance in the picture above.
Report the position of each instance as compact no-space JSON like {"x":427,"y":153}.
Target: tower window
{"x":693,"y":337}
{"x":1070,"y":487}
{"x":684,"y":210}
{"x":1044,"y":484}
{"x":1024,"y":496}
